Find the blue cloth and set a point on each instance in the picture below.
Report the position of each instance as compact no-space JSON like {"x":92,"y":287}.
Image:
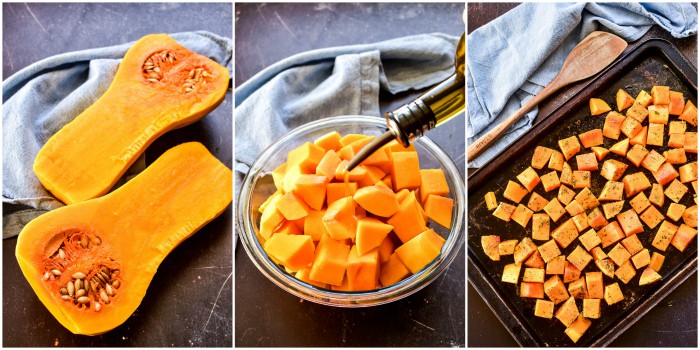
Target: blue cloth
{"x":330,"y":82}
{"x":515,"y":56}
{"x":43,"y":97}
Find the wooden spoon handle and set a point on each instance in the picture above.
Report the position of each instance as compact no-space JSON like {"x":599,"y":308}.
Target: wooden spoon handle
{"x":484,"y":141}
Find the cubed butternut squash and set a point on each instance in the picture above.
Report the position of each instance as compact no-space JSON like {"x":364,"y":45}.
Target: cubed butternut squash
{"x":613,"y":169}
{"x":613,"y":125}
{"x":651,"y":217}
{"x":536,"y":202}
{"x":544,"y":308}
{"x":610,"y":234}
{"x":664,"y":235}
{"x":528,"y":178}
{"x":612,"y":209}
{"x":420,"y":250}
{"x":637,"y":112}
{"x":549,"y":251}
{"x":540,"y":227}
{"x":598,"y":106}
{"x":655,"y":134}
{"x":507,"y":247}
{"x":541,"y":157}
{"x":676,"y":103}
{"x":684,"y":235}
{"x":569,"y":147}
{"x":587,"y":161}
{"x":620,"y":148}
{"x":504,"y":211}
{"x":567,"y":312}
{"x":556,"y":290}
{"x":613,"y":294}
{"x":623,"y":100}
{"x":591,"y":138}
{"x":648,"y":276}
{"x":565,"y":233}
{"x":550,"y":181}
{"x":432,"y":181}
{"x":690,"y":114}
{"x":531,"y":290}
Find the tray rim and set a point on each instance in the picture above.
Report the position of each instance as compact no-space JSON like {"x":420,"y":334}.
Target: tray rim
{"x":487,"y":290}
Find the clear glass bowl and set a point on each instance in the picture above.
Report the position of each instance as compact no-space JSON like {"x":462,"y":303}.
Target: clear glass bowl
{"x":258,"y":186}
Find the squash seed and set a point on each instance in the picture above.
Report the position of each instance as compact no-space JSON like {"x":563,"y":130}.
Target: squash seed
{"x":66,"y":297}
{"x":97,"y":306}
{"x":116,"y":284}
{"x":109,"y":289}
{"x":83,"y":300}
{"x":56,"y":272}
{"x":80,"y":293}
{"x":78,"y":275}
{"x":71,"y":288}
{"x":96,"y":240}
{"x":93,"y":287}
{"x":104,"y":296}
{"x":78,"y":284}
{"x":61,"y":254}
{"x":47,"y":275}
{"x":64,"y":291}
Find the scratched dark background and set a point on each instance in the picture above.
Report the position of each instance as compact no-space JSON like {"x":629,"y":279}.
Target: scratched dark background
{"x":189,"y":301}
{"x":673,"y":322}
{"x":265,"y":314}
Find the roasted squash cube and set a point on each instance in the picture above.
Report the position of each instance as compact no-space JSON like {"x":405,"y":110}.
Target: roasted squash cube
{"x":606,"y":266}
{"x":658,"y":114}
{"x":589,"y":239}
{"x":610,"y":234}
{"x":566,"y":174}
{"x":612,"y":191}
{"x":676,"y":190}
{"x":554,"y":209}
{"x":641,"y":259}
{"x":581,"y":179}
{"x":637,"y":112}
{"x":556,"y":265}
{"x":635,"y":183}
{"x":648,"y":276}
{"x":599,"y":152}
{"x":531,"y":290}
{"x":533,"y":275}
{"x":596,"y":219}
{"x":579,"y":258}
{"x":594,"y":285}
{"x":620,"y":148}
{"x":653,"y":161}
{"x":511,"y":273}
{"x":656,"y":261}
{"x":507,"y":247}
{"x":521,"y":215}
{"x":591,"y":138}
{"x":598,"y":106}
{"x":586,"y":198}
{"x":587,"y":161}
{"x":504,"y":211}
{"x":676,"y":156}
{"x":688,"y":172}
{"x":630,"y":127}
{"x":490,"y":200}
{"x":591,"y":307}
{"x":676,"y":104}
{"x":656,"y":196}
{"x":619,"y":254}
{"x":640,"y":202}
{"x":574,"y":208}
{"x":651,"y":217}
{"x":643,"y":98}
{"x":565,"y":233}
{"x":541,"y":157}
{"x":675,"y":211}
{"x":690,"y":114}
{"x":676,"y":141}
{"x":664,"y":235}
{"x":556,"y":290}
{"x":529,"y":178}
{"x":565,"y":195}
{"x":580,"y":221}
{"x":637,"y":154}
{"x":613,"y":125}
{"x":556,"y":161}
{"x":577,"y":289}
{"x":536,"y":202}
{"x":568,"y":312}
{"x":535,"y":261}
{"x":571,"y":272}
{"x":623,"y":100}
{"x":550,"y":181}
{"x":655,"y":134}
{"x":549,"y":251}
{"x":660,"y":95}
{"x":544,"y":308}
{"x":523,"y":250}
{"x":690,"y":216}
{"x":612,"y":209}
{"x":626,"y":272}
{"x":683,"y":236}
{"x":613,"y":169}
{"x":629,"y":221}
{"x":632,"y":244}
{"x":577,"y":328}
{"x":569,"y":147}
{"x":613,"y":294}
{"x":540,"y":227}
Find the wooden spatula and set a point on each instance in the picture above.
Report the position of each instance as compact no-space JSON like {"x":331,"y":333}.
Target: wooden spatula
{"x":589,"y":57}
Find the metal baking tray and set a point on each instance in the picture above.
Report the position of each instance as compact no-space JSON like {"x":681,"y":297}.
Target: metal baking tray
{"x":654,"y":62}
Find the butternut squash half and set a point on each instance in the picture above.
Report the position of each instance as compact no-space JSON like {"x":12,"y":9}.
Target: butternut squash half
{"x":90,"y":263}
{"x":159,"y":86}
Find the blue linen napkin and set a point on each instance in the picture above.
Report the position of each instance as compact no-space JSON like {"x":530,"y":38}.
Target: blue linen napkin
{"x":330,"y":82}
{"x":515,"y":56}
{"x":41,"y":98}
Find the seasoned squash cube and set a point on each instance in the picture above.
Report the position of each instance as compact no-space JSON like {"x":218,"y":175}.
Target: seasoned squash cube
{"x":630,"y":127}
{"x":589,"y":239}
{"x":587,"y":161}
{"x":676,"y":104}
{"x":577,"y":289}
{"x":613,"y":294}
{"x":637,"y":112}
{"x":676,"y":141}
{"x":536,"y":202}
{"x":528,"y":178}
{"x":648,"y":276}
{"x":569,"y":147}
{"x":506,"y":247}
{"x":523,"y":250}
{"x":658,"y":114}
{"x":655,"y":134}
{"x":556,"y":265}
{"x":566,"y":174}
{"x":541,"y":157}
{"x":580,"y":179}
{"x":690,"y":216}
{"x":660,"y":95}
{"x":504,"y":211}
{"x":689,"y":172}
{"x":586,"y":198}
{"x":637,"y":154}
{"x":640,"y":202}
{"x":613,"y":125}
{"x":599,"y":152}
{"x":556,"y":290}
{"x":653,"y":161}
{"x":591,"y":138}
{"x":490,"y":200}
{"x":683,"y":236}
{"x":544,"y":308}
{"x":612,"y":191}
{"x":641,"y":259}
{"x":656,"y":261}
{"x":568,"y":312}
{"x":641,"y":138}
{"x":664,"y":235}
{"x":556,"y":161}
{"x":632,"y":244}
{"x":565,"y":195}
{"x":571,"y":272}
{"x":635,"y":183}
{"x":574,"y":208}
{"x":620,"y":148}
{"x":656,"y":196}
{"x":594,"y":285}
{"x":535,"y":261}
{"x":690,"y":114}
{"x":626,"y":272}
{"x":676,"y":190}
{"x":610,"y":234}
{"x":690,"y":142}
{"x":623,"y":100}
{"x":619,"y":254}
{"x":596,"y":219}
{"x":675,"y":211}
{"x":677,"y":127}
{"x":598,"y":106}
{"x":565,"y":233}
{"x":531,"y":290}
{"x":511,"y":273}
{"x":651,"y":217}
{"x":533,"y":275}
{"x":606,"y":266}
{"x":580,"y":221}
{"x":665,"y":174}
{"x":554,"y":209}
{"x":591,"y":307}
{"x":612,"y":209}
{"x":643,"y":98}
{"x":613,"y":169}
{"x":577,"y":328}
{"x":579,"y":258}
{"x":549,"y":251}
{"x":540,"y":227}
{"x":629,"y":221}
{"x":521,"y":215}
{"x":676,"y":156}
{"x":550,"y":181}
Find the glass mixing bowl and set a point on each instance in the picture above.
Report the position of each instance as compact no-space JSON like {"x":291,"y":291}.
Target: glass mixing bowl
{"x":258,"y":186}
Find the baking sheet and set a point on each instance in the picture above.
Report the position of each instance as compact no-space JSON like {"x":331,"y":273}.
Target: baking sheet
{"x":655,"y":62}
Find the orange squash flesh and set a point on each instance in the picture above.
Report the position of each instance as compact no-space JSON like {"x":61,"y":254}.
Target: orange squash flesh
{"x":86,"y":157}
{"x":138,"y":225}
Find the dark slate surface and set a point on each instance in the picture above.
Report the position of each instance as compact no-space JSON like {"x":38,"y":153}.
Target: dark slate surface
{"x":189,"y":301}
{"x":673,"y":322}
{"x":265,"y":314}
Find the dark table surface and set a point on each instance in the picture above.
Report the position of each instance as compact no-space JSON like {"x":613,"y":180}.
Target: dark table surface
{"x":265,"y":314}
{"x":189,"y":301}
{"x":673,"y":322}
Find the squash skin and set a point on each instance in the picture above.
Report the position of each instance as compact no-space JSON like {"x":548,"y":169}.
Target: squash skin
{"x":87,"y":156}
{"x":139,"y":224}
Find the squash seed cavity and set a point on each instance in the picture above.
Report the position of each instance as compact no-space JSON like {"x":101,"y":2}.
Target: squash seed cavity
{"x":158,"y":63}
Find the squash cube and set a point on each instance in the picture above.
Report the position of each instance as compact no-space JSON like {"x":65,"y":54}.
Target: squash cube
{"x":565,"y":233}
{"x":587,"y":161}
{"x":613,"y":294}
{"x":637,"y":154}
{"x":683,"y":236}
{"x":313,"y":225}
{"x":544,"y":308}
{"x":311,"y":189}
{"x":406,"y":172}
{"x":675,"y":211}
{"x":676,"y":156}
{"x":554,"y":209}
{"x":536,"y":202}
{"x":643,"y":98}
{"x":653,"y":161}
{"x":632,"y":244}
{"x":531,"y":290}
{"x":521,"y":215}
{"x":579,"y":258}
{"x":676,"y":140}
{"x":665,"y":174}
{"x":690,"y":216}
{"x":623,"y":100}
{"x":594,"y":285}
{"x":656,"y":196}
{"x":556,"y":266}
{"x":688,"y":172}
{"x":676,"y":190}
{"x":514,"y":192}
{"x":507,"y":247}
{"x":330,"y":262}
{"x":619,"y":254}
{"x":610,"y":234}
{"x":612,"y":191}
{"x":535,"y":261}
{"x":664,"y":235}
{"x":656,"y":261}
{"x":421,"y":250}
{"x":549,"y":251}
{"x":580,"y":221}
{"x":655,"y":134}
{"x":328,"y":165}
{"x":641,"y":259}
{"x":690,"y":142}
{"x":591,"y":138}
{"x":569,"y":147}
{"x":392,"y":271}
{"x":432,"y":181}
{"x":613,"y":169}
{"x":641,"y":138}
{"x":676,"y":104}
{"x":606,"y":266}
{"x":571,"y":272}
{"x":635,"y":183}
{"x":491,"y":245}
{"x":599,"y":152}
{"x":626,"y":272}
{"x":408,"y":222}
{"x":574,"y":208}
{"x":658,"y":114}
{"x":629,"y":221}
{"x":630,"y":127}
{"x":378,"y":200}
{"x":541,"y":157}
{"x":613,"y":125}
{"x":550,"y":181}
{"x":640,"y":202}
{"x":690,"y":114}
{"x":589,"y":239}
{"x":596,"y":219}
{"x":568,"y":312}
{"x":534,"y":275}
{"x":294,"y":251}
{"x":581,"y":179}
{"x":540,"y":227}
{"x":556,"y":161}
{"x":363,"y":269}
{"x":565,"y":195}
{"x":439,"y":209}
{"x":612,"y":209}
{"x":598,"y":106}
{"x":566,"y":174}
{"x":648,"y":276}
{"x":329,"y":141}
{"x":511,"y":273}
{"x":340,"y":220}
{"x":660,"y":95}
{"x":556,"y":290}
{"x":370,"y":234}
{"x":677,"y":127}
{"x":586,"y":198}
{"x":591,"y":307}
{"x":528,"y":178}
{"x":651,"y":217}
{"x":637,"y":113}
{"x":620,"y":148}
{"x":523,"y":250}
{"x":577,"y":289}
{"x":504,"y":211}
{"x":307,"y":156}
